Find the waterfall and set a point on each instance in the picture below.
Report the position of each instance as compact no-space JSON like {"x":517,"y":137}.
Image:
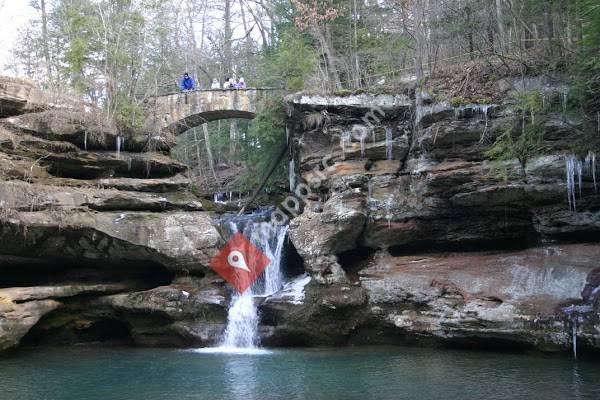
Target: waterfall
{"x":389,"y":143}
{"x":220,"y":198}
{"x":85,"y":140}
{"x":362,"y":147}
{"x":241,"y":333}
{"x":370,"y":191}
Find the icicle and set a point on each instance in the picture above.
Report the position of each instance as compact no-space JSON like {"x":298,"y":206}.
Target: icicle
{"x":388,"y":211}
{"x":230,"y":196}
{"x":292,"y":175}
{"x":370,"y":191}
{"x":579,"y":170}
{"x":564,"y":101}
{"x":543,"y":101}
{"x":593,"y":156}
{"x":346,"y":139}
{"x":85,"y":140}
{"x":590,"y":167}
{"x":375,"y":139}
{"x":287,"y":135}
{"x":118,"y":146}
{"x":457,"y":112}
{"x":570,"y":168}
{"x":484,"y":110}
{"x":389,"y":143}
{"x":575,"y":338}
{"x":362,"y":147}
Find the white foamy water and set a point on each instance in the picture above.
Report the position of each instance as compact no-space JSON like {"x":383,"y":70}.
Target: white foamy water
{"x":241,"y":333}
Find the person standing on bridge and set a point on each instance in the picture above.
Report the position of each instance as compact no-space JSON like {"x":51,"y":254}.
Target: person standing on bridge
{"x":241,"y":83}
{"x":187,"y":83}
{"x":215,"y":84}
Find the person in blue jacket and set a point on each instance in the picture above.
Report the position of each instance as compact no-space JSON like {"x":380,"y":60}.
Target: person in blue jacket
{"x":187,"y":83}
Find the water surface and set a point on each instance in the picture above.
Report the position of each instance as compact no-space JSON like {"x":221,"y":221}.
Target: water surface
{"x":367,"y":373}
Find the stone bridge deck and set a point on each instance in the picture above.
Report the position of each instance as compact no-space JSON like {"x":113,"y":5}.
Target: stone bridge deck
{"x":181,"y":111}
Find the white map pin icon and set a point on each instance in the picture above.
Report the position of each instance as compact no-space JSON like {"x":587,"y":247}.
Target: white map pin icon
{"x":236,"y":260}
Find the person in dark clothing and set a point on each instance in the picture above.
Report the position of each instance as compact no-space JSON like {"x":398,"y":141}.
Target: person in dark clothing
{"x":187,"y":83}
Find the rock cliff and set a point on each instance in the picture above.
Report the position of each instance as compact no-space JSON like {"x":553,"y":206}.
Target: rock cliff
{"x":100,"y":236}
{"x":411,"y":233}
{"x":408,"y":232}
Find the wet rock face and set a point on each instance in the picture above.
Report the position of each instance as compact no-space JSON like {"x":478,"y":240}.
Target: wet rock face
{"x":432,"y":190}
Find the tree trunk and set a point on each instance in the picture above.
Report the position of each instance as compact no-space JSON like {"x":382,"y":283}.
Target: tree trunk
{"x":233,"y":140}
{"x":330,"y":59}
{"x":227,"y":51}
{"x":417,"y":11}
{"x":500,"y":22}
{"x":45,"y":40}
{"x":470,"y":33}
{"x":209,"y":154}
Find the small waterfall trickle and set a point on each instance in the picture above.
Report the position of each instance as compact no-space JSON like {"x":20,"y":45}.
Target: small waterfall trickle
{"x":85,"y":140}
{"x":241,"y":333}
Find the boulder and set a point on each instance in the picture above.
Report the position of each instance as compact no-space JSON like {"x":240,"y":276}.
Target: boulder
{"x":16,"y":319}
{"x":14,"y":95}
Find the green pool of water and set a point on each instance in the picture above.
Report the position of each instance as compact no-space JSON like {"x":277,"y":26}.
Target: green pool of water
{"x":366,"y":373}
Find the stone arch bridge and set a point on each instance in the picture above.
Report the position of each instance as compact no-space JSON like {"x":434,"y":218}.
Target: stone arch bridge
{"x":178,"y":112}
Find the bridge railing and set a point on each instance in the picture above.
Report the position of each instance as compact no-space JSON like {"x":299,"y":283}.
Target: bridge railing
{"x":177,"y":92}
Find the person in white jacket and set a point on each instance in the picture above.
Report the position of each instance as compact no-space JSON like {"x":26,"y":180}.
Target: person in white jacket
{"x":215,"y":84}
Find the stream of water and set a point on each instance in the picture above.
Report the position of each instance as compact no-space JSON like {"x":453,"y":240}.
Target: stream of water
{"x":241,"y":333}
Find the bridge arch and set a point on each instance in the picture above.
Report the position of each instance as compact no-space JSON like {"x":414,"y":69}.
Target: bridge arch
{"x":178,"y":112}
